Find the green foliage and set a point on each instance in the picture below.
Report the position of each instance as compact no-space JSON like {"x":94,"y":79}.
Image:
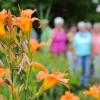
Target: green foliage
{"x":71,"y":10}
{"x":54,"y":93}
{"x":3,"y":58}
{"x":62,"y":65}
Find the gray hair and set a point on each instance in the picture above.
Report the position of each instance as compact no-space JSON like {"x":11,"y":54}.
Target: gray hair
{"x":97,"y":25}
{"x":81,"y":24}
{"x":58,"y":20}
{"x":88,"y":25}
{"x":45,"y":21}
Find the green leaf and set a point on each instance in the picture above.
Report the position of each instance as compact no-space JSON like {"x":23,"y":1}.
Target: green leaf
{"x":3,"y":58}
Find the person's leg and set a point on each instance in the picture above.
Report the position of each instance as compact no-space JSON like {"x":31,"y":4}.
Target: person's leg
{"x":79,"y":67}
{"x":87,"y":65}
{"x":83,"y":70}
{"x":71,"y":62}
{"x":83,"y":66}
{"x":92,"y":68}
{"x":97,"y":66}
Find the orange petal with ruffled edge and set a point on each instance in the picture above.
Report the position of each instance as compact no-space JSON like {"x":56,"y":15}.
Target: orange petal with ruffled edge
{"x":27,"y":13}
{"x":93,"y":91}
{"x":49,"y":82}
{"x":41,"y":75}
{"x":53,"y":79}
{"x":34,"y":45}
{"x":69,"y":96}
{"x":38,"y":65}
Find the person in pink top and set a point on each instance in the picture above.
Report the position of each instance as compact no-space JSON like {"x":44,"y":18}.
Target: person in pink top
{"x":96,"y":49}
{"x":59,"y":37}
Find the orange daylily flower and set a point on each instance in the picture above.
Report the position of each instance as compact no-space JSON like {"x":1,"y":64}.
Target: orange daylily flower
{"x":49,"y":79}
{"x":94,"y":91}
{"x":34,"y":45}
{"x":52,"y":79}
{"x":27,"y":13}
{"x":3,"y":16}
{"x":4,"y":72}
{"x":24,"y":22}
{"x":69,"y":96}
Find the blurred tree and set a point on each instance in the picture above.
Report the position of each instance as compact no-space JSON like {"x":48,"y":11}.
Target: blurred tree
{"x":71,"y":10}
{"x":8,"y":4}
{"x":44,"y":7}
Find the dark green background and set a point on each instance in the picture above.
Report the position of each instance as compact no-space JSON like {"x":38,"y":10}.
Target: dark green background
{"x":71,"y":10}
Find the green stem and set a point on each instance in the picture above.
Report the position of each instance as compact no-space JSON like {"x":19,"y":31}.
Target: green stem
{"x":9,"y":62}
{"x":48,"y":10}
{"x":28,"y":74}
{"x":10,"y":65}
{"x":41,"y":11}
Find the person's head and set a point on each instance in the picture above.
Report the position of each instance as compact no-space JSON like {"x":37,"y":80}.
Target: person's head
{"x":44,"y":23}
{"x":73,"y":29}
{"x":96,"y":27}
{"x":59,"y":22}
{"x":82,"y":26}
{"x":88,"y":26}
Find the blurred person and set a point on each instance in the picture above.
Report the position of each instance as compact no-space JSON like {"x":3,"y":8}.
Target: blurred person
{"x":83,"y":49}
{"x":90,"y":29}
{"x":59,"y":38}
{"x":33,"y":34}
{"x":96,"y":49}
{"x":71,"y":53}
{"x":89,"y":26}
{"x":46,"y":30}
{"x":46,"y":34}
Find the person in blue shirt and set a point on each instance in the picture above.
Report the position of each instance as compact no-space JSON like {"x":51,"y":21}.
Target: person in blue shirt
{"x":83,"y":50}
